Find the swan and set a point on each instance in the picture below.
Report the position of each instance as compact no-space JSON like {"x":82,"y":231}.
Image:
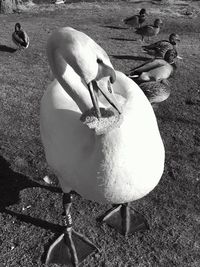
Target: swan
{"x":136,"y":20}
{"x":120,"y":164}
{"x":149,"y":30}
{"x":20,"y":37}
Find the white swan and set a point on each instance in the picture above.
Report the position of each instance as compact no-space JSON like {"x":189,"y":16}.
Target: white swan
{"x":119,"y":166}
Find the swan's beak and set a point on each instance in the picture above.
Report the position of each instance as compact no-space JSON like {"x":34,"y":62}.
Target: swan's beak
{"x":107,"y":91}
{"x":93,"y":94}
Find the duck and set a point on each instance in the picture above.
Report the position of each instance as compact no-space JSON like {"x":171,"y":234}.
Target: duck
{"x":156,"y":91}
{"x":158,"y":49}
{"x":20,"y":37}
{"x":149,"y":30}
{"x":95,"y":126}
{"x":136,"y":20}
{"x":155,"y":70}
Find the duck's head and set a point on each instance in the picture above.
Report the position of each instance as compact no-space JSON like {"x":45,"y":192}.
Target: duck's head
{"x":143,"y":12}
{"x":173,"y":38}
{"x":170,"y":55}
{"x":17,"y":27}
{"x":157,"y":22}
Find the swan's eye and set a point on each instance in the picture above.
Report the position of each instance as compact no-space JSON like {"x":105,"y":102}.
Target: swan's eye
{"x":99,"y":61}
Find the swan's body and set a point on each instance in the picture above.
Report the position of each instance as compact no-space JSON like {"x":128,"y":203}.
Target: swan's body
{"x":20,"y":37}
{"x":120,"y":166}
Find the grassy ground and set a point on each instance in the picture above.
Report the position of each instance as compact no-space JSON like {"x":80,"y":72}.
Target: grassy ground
{"x":30,"y":210}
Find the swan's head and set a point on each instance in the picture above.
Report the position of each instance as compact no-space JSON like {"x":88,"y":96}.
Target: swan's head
{"x":103,"y":83}
{"x":93,"y":65}
{"x":87,"y":59}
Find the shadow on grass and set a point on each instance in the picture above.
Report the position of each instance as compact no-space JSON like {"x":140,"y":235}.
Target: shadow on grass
{"x":55,"y":228}
{"x":11,"y":183}
{"x":130,"y":57}
{"x":180,"y":120}
{"x":124,"y":39}
{"x":4,"y":48}
{"x":143,"y":1}
{"x":114,"y":27}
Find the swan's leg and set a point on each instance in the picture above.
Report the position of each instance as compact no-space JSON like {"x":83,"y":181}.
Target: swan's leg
{"x":124,"y":219}
{"x":125,"y":213}
{"x":70,"y":248}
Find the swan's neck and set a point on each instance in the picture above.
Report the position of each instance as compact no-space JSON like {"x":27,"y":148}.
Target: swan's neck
{"x":71,"y":82}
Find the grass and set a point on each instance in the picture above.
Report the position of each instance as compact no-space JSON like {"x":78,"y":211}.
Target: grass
{"x":30,"y":210}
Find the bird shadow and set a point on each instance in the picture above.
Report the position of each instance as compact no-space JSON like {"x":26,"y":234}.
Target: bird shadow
{"x":115,"y":27}
{"x":55,"y":228}
{"x":179,"y":119}
{"x":4,"y":48}
{"x":129,"y":57}
{"x":142,"y":1}
{"x":124,"y":39}
{"x":11,"y":183}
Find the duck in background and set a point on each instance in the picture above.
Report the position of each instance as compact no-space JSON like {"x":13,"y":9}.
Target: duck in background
{"x":149,"y":30}
{"x":156,"y":91}
{"x":156,"y":69}
{"x":136,"y":20}
{"x":20,"y":37}
{"x":152,"y":77}
{"x":159,"y":49}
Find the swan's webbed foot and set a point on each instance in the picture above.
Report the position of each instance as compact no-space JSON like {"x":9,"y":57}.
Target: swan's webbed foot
{"x":70,"y":248}
{"x":124,"y":219}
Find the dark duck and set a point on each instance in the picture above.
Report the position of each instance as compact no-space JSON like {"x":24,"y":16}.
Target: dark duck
{"x":159,"y":49}
{"x":20,"y":37}
{"x":136,"y":20}
{"x":149,"y":30}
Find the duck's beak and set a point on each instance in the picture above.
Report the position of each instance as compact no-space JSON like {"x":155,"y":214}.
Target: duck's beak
{"x":106,"y":89}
